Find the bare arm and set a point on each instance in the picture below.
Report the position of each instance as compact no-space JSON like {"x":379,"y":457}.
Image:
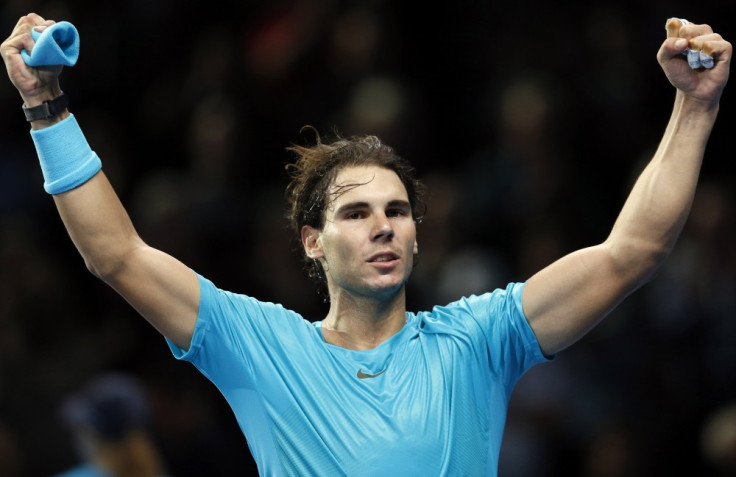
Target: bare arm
{"x":566,"y":299}
{"x":161,"y":288}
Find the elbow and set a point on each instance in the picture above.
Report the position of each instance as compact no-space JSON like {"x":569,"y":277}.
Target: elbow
{"x":109,"y":264}
{"x":641,"y":263}
{"x":105,"y":270}
{"x":649,"y":273}
{"x":647,"y":264}
{"x":652,"y":263}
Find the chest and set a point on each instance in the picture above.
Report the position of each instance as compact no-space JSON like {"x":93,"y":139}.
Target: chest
{"x":416,"y":404}
{"x":413,"y":391}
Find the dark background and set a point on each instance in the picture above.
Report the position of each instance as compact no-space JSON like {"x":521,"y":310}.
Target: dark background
{"x":529,"y":120}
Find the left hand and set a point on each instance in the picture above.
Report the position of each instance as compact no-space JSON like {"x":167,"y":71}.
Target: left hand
{"x":701,"y":85}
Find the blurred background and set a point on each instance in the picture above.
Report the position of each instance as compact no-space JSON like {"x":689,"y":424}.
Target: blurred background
{"x":529,"y":121}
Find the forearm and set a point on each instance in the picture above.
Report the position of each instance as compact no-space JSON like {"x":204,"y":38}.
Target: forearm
{"x":92,"y":213}
{"x":98,"y":225}
{"x":159,"y":287}
{"x":657,"y":208}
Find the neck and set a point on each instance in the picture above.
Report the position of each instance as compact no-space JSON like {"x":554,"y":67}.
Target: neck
{"x":361,"y":323}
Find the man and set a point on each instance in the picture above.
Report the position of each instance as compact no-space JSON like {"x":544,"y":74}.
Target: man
{"x":373,"y":389}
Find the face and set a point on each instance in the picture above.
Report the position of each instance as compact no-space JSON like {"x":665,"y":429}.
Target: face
{"x":368,"y":241}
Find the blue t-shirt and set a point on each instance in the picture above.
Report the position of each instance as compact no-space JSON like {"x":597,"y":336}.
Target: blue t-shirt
{"x":431,"y":400}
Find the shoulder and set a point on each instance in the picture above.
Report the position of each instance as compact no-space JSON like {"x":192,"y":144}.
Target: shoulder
{"x":235,"y":330}
{"x":218,"y":300}
{"x":491,"y":305}
{"x":226,"y":315}
{"x":494,"y":322}
{"x":493,"y":318}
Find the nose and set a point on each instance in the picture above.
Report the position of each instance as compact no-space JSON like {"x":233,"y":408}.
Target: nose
{"x":382,"y":228}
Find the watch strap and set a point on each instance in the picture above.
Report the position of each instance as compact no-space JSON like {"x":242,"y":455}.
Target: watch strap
{"x":48,"y":109}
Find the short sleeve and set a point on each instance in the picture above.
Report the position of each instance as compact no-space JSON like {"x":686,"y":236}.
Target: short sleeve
{"x":236,"y":335}
{"x":512,"y":346}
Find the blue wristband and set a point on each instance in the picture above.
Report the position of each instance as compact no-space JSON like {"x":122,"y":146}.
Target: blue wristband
{"x":66,"y":159}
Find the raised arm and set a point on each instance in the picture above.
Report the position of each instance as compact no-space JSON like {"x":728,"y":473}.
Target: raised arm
{"x":161,"y":288}
{"x":566,"y":299}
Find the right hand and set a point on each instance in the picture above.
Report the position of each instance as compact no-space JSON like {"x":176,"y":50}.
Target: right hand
{"x":35,"y":85}
{"x":702,"y":85}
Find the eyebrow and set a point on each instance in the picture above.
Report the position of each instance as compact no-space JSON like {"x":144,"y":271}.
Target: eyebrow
{"x":364,"y":205}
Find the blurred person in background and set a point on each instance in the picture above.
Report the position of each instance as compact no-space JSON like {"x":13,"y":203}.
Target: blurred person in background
{"x":373,"y":388}
{"x":109,"y":420}
{"x":718,"y":440}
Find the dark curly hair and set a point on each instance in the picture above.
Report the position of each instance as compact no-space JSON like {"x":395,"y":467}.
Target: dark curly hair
{"x":315,"y":169}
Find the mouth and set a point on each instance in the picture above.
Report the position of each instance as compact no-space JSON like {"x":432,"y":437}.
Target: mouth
{"x":383,"y":257}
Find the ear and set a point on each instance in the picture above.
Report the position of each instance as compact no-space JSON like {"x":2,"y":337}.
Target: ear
{"x":311,"y":242}
{"x":416,"y":247}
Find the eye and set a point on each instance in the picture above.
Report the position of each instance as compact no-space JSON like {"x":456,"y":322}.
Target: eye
{"x":396,"y":212}
{"x":355,"y":215}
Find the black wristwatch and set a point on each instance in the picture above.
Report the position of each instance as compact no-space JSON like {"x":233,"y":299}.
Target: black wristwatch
{"x":48,"y":109}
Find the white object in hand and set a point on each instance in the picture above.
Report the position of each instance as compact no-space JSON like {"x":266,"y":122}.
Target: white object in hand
{"x":697,"y":59}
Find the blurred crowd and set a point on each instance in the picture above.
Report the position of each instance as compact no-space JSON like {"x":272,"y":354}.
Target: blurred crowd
{"x":528,"y":120}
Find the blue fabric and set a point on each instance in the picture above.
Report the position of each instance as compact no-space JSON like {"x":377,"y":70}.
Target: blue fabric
{"x":697,"y":59}
{"x":65,"y":156}
{"x":83,"y":470}
{"x":56,"y":45}
{"x":436,"y":407}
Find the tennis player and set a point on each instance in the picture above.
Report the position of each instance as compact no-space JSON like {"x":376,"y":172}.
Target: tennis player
{"x":374,"y":389}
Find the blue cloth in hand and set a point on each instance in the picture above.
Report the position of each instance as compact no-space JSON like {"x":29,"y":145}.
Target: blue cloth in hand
{"x":697,"y":59}
{"x":56,"y":45}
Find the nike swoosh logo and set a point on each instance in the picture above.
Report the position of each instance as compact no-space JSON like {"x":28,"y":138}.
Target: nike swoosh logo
{"x":362,"y":375}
